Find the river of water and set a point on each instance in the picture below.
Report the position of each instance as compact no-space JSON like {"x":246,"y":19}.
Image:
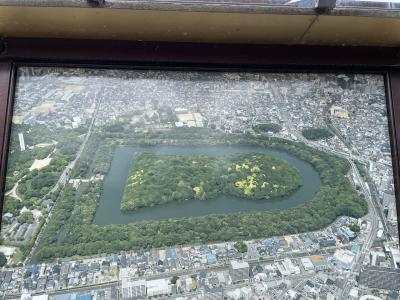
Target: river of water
{"x":108,"y":211}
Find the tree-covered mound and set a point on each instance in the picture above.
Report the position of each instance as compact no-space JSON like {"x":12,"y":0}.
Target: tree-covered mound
{"x":158,"y":179}
{"x":314,"y":134}
{"x":267,"y":127}
{"x":71,"y":231}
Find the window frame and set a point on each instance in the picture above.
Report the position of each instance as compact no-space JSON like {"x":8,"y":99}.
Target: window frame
{"x":191,"y":56}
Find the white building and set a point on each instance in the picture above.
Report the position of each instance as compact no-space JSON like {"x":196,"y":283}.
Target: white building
{"x":330,"y":296}
{"x":307,"y":264}
{"x":353,"y":295}
{"x":244,"y":293}
{"x":288,"y":264}
{"x":21,"y":141}
{"x":282,"y":271}
{"x":235,"y":294}
{"x":25,"y":296}
{"x":344,"y":258}
{"x":158,"y":287}
{"x":36,"y":297}
{"x":239,"y":271}
{"x":40,"y":297}
{"x":188,"y":284}
{"x":133,"y":289}
{"x":76,"y":121}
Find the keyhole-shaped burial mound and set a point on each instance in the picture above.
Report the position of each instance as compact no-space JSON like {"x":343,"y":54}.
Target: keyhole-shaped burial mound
{"x":156,"y":179}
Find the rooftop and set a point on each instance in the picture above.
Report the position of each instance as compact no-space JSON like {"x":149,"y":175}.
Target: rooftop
{"x":239,"y":264}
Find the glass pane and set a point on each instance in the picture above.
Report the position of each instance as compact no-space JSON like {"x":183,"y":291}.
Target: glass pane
{"x":379,"y":4}
{"x":135,"y":184}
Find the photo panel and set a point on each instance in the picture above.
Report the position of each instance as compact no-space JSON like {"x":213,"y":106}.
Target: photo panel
{"x":136,"y":184}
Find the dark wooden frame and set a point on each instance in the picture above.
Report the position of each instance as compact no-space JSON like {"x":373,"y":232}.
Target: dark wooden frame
{"x":128,"y":54}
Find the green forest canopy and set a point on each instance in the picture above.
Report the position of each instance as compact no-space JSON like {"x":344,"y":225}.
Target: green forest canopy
{"x":316,"y":133}
{"x":81,"y":237}
{"x":267,"y":127}
{"x":157,"y":179}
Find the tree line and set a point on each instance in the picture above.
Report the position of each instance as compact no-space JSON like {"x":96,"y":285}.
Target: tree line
{"x":336,"y":198}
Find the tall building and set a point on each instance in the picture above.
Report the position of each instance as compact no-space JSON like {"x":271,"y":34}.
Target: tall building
{"x":239,"y":271}
{"x":133,"y":289}
{"x":21,"y":141}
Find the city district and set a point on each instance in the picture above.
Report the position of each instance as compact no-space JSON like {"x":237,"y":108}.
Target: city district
{"x":138,"y":184}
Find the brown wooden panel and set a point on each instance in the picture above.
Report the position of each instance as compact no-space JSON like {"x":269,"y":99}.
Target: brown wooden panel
{"x":151,"y":25}
{"x":5,"y":80}
{"x":261,"y":25}
{"x":351,"y":30}
{"x":394,"y":108}
{"x":128,"y":52}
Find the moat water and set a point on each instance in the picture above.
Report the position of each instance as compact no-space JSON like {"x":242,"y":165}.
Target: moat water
{"x":108,"y":211}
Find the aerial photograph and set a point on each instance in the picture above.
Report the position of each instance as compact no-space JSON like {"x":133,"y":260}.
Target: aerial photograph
{"x":198,"y":185}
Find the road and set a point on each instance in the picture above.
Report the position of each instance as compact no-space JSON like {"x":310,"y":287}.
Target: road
{"x":373,"y":218}
{"x":78,"y":289}
{"x":13,"y":191}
